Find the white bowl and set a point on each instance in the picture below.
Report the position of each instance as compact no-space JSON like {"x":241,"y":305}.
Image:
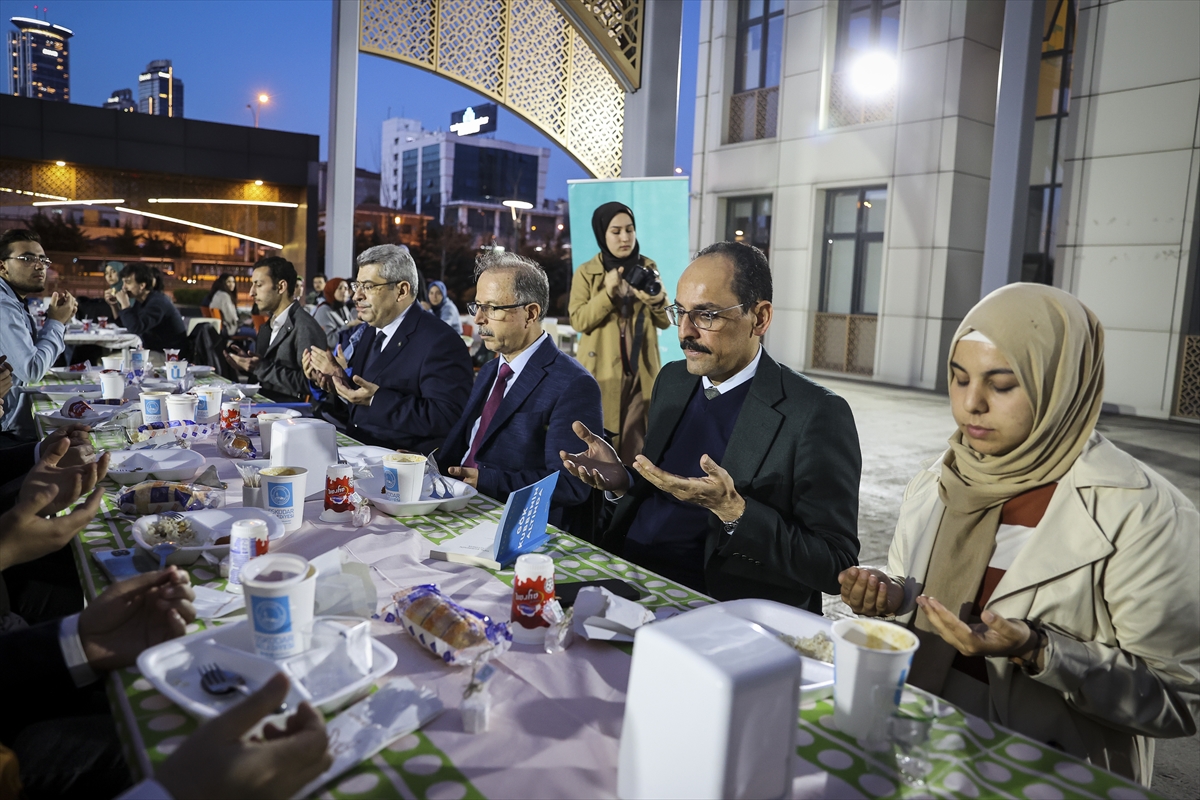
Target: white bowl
{"x":231,"y":390}
{"x":216,"y":521}
{"x":170,"y":464}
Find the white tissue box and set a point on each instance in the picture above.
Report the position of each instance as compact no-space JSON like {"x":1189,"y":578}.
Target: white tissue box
{"x":711,"y":710}
{"x":308,"y":443}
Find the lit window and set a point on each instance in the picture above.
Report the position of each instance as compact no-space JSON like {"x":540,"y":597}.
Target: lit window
{"x":748,"y":219}
{"x":754,"y":106}
{"x":852,"y":265}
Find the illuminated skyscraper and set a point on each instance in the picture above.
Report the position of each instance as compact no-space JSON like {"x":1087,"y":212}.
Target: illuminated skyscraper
{"x":39,"y":60}
{"x":159,"y":91}
{"x":121,"y":100}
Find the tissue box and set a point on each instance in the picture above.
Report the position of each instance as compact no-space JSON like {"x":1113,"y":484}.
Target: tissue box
{"x":308,"y":443}
{"x":711,"y":710}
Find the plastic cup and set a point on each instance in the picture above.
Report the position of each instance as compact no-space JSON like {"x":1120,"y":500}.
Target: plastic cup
{"x":182,"y":407}
{"x":177,"y":370}
{"x":137,"y":360}
{"x":248,"y":538}
{"x":533,"y":587}
{"x":103,"y":321}
{"x":231,"y":415}
{"x":265,"y":421}
{"x":282,"y":491}
{"x":112,"y":384}
{"x":113,"y":362}
{"x":280,"y":590}
{"x":171,"y":355}
{"x":403,"y":474}
{"x":209,"y":407}
{"x":154,"y":407}
{"x":871,"y":661}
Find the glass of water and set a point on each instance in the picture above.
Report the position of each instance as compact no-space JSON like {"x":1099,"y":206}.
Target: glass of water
{"x":910,"y":735}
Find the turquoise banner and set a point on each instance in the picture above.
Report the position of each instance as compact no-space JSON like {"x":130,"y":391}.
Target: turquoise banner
{"x":660,"y":208}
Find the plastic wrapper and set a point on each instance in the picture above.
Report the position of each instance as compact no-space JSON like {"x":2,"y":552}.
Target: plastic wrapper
{"x":156,"y":497}
{"x":236,"y":444}
{"x":183,"y":430}
{"x":455,"y":634}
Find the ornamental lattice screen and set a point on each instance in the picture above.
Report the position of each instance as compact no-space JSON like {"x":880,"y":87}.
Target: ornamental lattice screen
{"x":527,"y":56}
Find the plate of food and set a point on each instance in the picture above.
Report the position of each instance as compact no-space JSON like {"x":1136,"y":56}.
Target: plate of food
{"x":86,"y":412}
{"x":169,"y":464}
{"x":372,"y":489}
{"x":807,"y":633}
{"x":196,"y":532}
{"x":74,"y":372}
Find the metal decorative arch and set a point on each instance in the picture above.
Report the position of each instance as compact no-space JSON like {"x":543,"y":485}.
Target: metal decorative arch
{"x":562,"y":65}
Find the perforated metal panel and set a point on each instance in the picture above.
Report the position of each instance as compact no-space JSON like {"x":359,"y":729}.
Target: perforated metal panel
{"x":1187,"y":401}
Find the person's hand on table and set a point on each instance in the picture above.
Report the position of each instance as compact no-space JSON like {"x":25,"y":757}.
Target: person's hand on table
{"x":135,"y":614}
{"x":870,"y":592}
{"x":240,"y":359}
{"x":360,"y":394}
{"x":467,"y":475}
{"x":62,"y":307}
{"x":598,"y":466}
{"x":25,"y":535}
{"x":71,"y":482}
{"x":81,"y":450}
{"x":993,"y":636}
{"x":215,"y":761}
{"x":715,"y":491}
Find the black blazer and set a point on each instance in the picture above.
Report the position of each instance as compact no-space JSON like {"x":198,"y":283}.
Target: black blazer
{"x":424,"y":375}
{"x":531,"y":426}
{"x":794,"y":458}
{"x":281,"y":371}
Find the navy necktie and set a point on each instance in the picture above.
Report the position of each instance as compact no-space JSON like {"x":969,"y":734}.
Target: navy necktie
{"x":376,"y":349}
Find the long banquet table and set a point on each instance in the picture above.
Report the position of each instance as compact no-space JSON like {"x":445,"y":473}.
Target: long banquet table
{"x":556,"y":719}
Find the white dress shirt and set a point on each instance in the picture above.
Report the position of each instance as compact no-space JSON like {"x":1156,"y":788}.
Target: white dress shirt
{"x":516,"y":365}
{"x":277,"y":323}
{"x":740,"y":377}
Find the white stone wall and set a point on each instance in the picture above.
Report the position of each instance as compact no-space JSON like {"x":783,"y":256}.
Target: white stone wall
{"x":1131,"y":172}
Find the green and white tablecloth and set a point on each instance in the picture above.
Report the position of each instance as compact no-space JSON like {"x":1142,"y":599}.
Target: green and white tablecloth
{"x":972,"y":758}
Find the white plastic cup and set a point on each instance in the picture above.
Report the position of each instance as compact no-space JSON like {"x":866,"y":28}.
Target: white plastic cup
{"x":231,"y":415}
{"x":177,"y":370}
{"x":265,"y":421}
{"x":209,"y":407}
{"x":182,"y":407}
{"x":112,"y":384}
{"x":154,"y":407}
{"x":171,"y":355}
{"x":283,"y":494}
{"x":280,"y":590}
{"x":248,"y":538}
{"x":403,"y":474}
{"x":533,"y":587}
{"x":137,"y":360}
{"x":113,"y":362}
{"x":868,"y":676}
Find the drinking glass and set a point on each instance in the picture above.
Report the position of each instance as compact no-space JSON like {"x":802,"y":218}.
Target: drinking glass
{"x":910,"y":734}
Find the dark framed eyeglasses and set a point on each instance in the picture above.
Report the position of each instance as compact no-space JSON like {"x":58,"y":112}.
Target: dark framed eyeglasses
{"x":703,"y":318}
{"x":357,"y":286}
{"x":29,"y":258}
{"x":474,"y":308}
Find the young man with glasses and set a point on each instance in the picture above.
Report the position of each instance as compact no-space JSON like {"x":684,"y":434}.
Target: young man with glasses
{"x":408,"y":377}
{"x":31,"y":352}
{"x":519,"y":414}
{"x":748,"y":482}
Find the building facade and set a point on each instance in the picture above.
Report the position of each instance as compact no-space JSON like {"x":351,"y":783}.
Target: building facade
{"x":39,"y":60}
{"x":852,"y":141}
{"x":121,"y":100}
{"x":159,"y":91}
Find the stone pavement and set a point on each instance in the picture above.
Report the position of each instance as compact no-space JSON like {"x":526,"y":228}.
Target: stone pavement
{"x":898,"y":428}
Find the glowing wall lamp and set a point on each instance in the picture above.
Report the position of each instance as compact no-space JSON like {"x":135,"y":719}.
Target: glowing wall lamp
{"x":873,"y":74}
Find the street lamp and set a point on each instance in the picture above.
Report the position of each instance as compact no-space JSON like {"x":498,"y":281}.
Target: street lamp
{"x":263,"y":99}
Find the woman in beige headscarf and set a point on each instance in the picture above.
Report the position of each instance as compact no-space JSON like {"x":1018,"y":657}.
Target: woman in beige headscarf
{"x":1050,"y":576}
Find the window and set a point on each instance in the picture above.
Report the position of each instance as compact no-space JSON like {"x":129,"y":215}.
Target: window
{"x":408,"y":181}
{"x":490,"y":175}
{"x":754,"y":107}
{"x":431,"y":180}
{"x":853,"y":260}
{"x":863,"y":84}
{"x":748,"y":219}
{"x":1045,"y":167}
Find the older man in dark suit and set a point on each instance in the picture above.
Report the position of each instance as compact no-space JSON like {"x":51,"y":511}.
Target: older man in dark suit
{"x":748,"y":482}
{"x":408,"y":378}
{"x":520,"y":412}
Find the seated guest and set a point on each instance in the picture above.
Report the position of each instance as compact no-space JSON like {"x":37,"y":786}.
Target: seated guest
{"x":276,"y":363}
{"x":142,"y":308}
{"x":318,"y":291}
{"x":519,"y":415}
{"x":31,"y":352}
{"x":442,"y":307}
{"x":223,"y":297}
{"x":333,"y":311}
{"x":748,"y":482}
{"x":408,"y":378}
{"x":1050,"y":576}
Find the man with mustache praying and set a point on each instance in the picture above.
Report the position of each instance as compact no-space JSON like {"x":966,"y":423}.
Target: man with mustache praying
{"x":747,"y":485}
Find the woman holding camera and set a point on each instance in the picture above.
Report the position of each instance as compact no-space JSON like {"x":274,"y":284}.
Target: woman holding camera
{"x":617,"y":302}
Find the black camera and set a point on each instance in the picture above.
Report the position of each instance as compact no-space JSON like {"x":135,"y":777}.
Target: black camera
{"x":643,"y":279}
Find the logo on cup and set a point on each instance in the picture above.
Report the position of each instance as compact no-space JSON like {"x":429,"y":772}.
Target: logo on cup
{"x":271,"y":614}
{"x":280,"y":495}
{"x":153,"y":407}
{"x":391,"y":480}
{"x":202,"y":405}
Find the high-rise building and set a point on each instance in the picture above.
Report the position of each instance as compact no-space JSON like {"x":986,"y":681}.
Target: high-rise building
{"x":39,"y":60}
{"x":159,"y":91}
{"x":121,"y":100}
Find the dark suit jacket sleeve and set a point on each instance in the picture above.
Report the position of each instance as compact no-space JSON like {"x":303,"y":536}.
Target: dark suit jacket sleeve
{"x":819,"y":539}
{"x":142,"y":318}
{"x":34,"y":675}
{"x":445,"y":382}
{"x":579,"y":400}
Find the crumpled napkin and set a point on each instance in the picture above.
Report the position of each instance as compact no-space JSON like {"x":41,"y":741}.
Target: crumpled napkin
{"x":601,"y":615}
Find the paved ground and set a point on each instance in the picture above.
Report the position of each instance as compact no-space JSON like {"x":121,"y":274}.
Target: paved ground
{"x":899,"y":428}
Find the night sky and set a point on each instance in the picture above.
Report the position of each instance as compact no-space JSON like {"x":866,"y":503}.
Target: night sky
{"x":227,"y":52}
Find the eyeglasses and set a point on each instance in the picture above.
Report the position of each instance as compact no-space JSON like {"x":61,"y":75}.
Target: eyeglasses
{"x":490,"y":311}
{"x":704,"y":319}
{"x":356,"y":287}
{"x":30,"y":259}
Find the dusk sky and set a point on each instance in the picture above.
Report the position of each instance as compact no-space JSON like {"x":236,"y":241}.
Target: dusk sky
{"x":227,"y":52}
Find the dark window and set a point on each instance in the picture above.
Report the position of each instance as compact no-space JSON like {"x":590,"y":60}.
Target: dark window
{"x":853,"y":255}
{"x":431,"y":180}
{"x":748,"y":219}
{"x":865,"y":26}
{"x":491,"y":175}
{"x":408,"y":181}
{"x":754,"y":106}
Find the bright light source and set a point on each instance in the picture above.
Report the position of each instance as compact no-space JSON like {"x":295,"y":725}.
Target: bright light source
{"x":738,"y":233}
{"x":262,"y":98}
{"x":867,"y":203}
{"x":60,"y":163}
{"x":679,"y":170}
{"x":521,"y":204}
{"x":234,"y":234}
{"x":397,"y":220}
{"x":560,"y":226}
{"x":222,"y":202}
{"x":538,"y":248}
{"x":873,"y":74}
{"x":258,"y":183}
{"x":533,"y":227}
{"x":108,"y":202}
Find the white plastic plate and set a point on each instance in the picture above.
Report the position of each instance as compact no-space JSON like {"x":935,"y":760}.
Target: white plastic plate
{"x":171,"y":464}
{"x":68,"y":374}
{"x":816,"y":677}
{"x":372,"y":489}
{"x":217,"y":522}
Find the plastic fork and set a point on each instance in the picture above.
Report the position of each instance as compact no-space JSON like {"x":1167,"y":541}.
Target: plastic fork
{"x":215,"y":680}
{"x":435,"y":477}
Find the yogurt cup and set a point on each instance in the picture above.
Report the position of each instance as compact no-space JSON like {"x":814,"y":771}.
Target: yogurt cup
{"x":154,"y":407}
{"x":280,"y":591}
{"x":403,"y":474}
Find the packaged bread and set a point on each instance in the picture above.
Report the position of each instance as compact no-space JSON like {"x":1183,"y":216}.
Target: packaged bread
{"x":458,"y":635}
{"x":157,"y":497}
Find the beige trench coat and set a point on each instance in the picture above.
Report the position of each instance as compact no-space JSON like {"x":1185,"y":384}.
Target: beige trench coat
{"x":595,"y":317}
{"x":1111,"y":573}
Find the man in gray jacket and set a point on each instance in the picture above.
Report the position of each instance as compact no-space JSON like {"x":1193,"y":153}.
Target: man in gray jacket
{"x":30,"y":352}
